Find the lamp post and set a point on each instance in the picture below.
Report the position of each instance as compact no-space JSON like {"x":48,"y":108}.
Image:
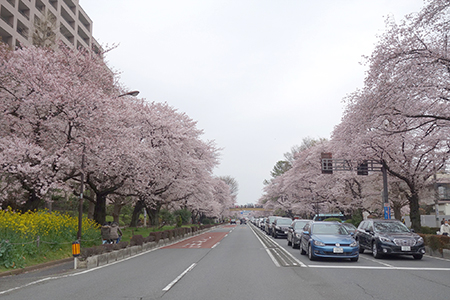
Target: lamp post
{"x":80,"y":207}
{"x":132,"y":93}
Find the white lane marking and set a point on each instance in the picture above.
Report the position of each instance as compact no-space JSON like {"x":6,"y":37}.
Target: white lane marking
{"x":170,"y":285}
{"x":267,"y":249}
{"x":378,"y":268}
{"x":272,"y":257}
{"x":377,"y":261}
{"x":291,"y":256}
{"x":215,"y":245}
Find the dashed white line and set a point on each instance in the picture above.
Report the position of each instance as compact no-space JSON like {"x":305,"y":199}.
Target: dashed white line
{"x":170,"y":285}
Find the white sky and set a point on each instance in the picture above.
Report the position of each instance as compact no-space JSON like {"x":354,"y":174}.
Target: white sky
{"x":257,"y":75}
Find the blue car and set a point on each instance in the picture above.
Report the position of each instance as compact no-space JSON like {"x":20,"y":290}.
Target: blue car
{"x":328,"y":239}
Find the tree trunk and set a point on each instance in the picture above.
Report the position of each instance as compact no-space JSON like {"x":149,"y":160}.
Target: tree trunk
{"x":153,"y":214}
{"x":32,"y":202}
{"x":136,"y":212}
{"x":116,"y":211}
{"x":100,"y":208}
{"x":396,"y":207}
{"x":414,"y":211}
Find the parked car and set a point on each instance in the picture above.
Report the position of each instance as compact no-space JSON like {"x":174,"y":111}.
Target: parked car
{"x":321,"y":217}
{"x":280,"y":227}
{"x":262,"y":223}
{"x":268,"y":224}
{"x":389,"y":237}
{"x":328,"y":239}
{"x":350,"y":227}
{"x":295,"y":232}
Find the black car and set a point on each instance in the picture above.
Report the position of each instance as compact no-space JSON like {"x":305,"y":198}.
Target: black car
{"x":295,"y":232}
{"x":268,"y":224}
{"x":388,"y":237}
{"x":280,"y":227}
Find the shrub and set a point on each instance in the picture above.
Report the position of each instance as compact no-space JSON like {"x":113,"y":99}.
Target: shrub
{"x":428,"y":230}
{"x":156,"y":235}
{"x":149,"y":239}
{"x":179,"y":221}
{"x":137,"y":240}
{"x":184,"y":214}
{"x":333,"y":220}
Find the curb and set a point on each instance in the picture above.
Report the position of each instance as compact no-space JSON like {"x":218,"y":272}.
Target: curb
{"x":36,"y":267}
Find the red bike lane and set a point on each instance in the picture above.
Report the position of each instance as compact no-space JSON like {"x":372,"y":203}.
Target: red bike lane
{"x":202,"y":241}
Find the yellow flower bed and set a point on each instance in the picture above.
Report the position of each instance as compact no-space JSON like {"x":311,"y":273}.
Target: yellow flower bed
{"x":33,"y":234}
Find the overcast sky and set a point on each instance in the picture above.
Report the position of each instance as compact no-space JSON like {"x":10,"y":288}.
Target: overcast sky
{"x":258,"y":76}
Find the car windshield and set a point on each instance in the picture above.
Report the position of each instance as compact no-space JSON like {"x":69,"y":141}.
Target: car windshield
{"x":300,"y":225}
{"x":349,"y":226}
{"x":329,"y":229}
{"x":284,"y":222}
{"x":390,"y":227}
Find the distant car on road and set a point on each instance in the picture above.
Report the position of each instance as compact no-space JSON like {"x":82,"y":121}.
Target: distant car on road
{"x":295,"y":232}
{"x":328,"y":239}
{"x":389,"y":237}
{"x":233,"y":221}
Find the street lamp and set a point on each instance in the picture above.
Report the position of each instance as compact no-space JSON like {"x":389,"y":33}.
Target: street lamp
{"x":132,"y":93}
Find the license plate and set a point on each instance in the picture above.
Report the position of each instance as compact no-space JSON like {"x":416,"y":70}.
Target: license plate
{"x":338,"y":250}
{"x":406,"y":248}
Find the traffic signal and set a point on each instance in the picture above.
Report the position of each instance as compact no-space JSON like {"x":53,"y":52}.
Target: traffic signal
{"x":327,"y":163}
{"x":363,"y":168}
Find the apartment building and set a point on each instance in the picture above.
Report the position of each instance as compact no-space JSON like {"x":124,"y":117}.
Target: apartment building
{"x":70,"y":24}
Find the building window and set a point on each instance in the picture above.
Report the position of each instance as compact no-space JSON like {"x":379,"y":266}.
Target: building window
{"x":24,"y":10}
{"x":7,"y":16}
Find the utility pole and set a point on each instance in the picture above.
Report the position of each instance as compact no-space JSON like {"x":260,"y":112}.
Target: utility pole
{"x":80,"y":204}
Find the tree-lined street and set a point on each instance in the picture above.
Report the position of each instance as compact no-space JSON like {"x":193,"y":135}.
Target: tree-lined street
{"x":237,"y":265}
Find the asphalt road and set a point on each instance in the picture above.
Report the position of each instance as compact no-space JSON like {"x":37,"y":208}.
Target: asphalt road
{"x":237,"y":262}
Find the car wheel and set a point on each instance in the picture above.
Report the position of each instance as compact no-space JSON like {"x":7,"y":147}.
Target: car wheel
{"x":354,"y":258}
{"x":310,"y":253}
{"x":375,"y":252}
{"x":289,"y":243}
{"x":417,"y":256}
{"x":302,"y":251}
{"x":361,"y":249}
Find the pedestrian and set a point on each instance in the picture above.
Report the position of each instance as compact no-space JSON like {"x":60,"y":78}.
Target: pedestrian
{"x":105,"y":231}
{"x":445,"y":228}
{"x":443,"y":221}
{"x":115,"y":233}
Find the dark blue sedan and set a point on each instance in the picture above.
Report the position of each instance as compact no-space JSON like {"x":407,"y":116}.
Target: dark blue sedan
{"x":328,"y":240}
